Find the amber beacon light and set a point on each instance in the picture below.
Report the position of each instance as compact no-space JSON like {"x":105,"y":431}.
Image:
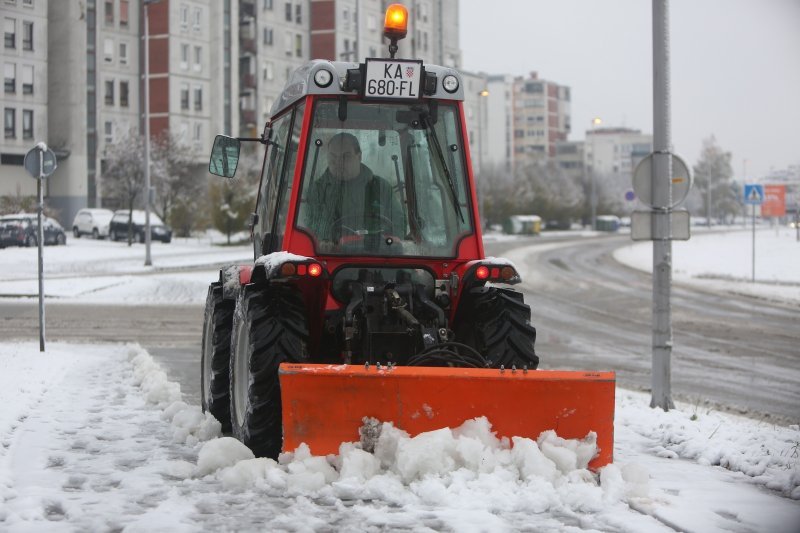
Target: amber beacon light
{"x":395,"y":26}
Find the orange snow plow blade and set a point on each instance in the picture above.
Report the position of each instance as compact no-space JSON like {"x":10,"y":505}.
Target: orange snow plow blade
{"x":323,"y":405}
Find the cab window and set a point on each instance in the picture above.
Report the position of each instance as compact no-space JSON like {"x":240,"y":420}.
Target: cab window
{"x":388,"y":180}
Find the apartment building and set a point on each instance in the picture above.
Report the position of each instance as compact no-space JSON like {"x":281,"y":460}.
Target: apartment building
{"x":25,"y":94}
{"x":273,"y":42}
{"x":541,"y":111}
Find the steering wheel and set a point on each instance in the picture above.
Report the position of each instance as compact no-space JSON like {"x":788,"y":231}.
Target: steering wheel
{"x":347,"y":222}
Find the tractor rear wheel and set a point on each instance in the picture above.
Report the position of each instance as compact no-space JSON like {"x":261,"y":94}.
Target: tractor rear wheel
{"x":269,"y":328}
{"x":215,"y":356}
{"x":497,"y":323}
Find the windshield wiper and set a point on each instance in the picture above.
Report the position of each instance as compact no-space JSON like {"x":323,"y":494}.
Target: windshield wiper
{"x":437,"y":148}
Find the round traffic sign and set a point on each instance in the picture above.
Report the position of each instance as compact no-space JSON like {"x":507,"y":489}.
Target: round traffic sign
{"x":681,"y":180}
{"x":40,"y":161}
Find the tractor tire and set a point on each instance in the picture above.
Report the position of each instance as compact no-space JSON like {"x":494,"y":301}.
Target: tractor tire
{"x":215,"y":357}
{"x":269,"y":328}
{"x":76,"y":233}
{"x":497,"y":323}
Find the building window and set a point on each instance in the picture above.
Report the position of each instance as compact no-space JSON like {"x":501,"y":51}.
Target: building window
{"x":268,"y":70}
{"x":268,"y":4}
{"x":27,"y":79}
{"x":267,"y":36}
{"x":108,"y":50}
{"x":198,"y":98}
{"x":27,"y":124}
{"x":298,"y":14}
{"x":10,"y":121}
{"x":197,"y":18}
{"x":184,"y":56}
{"x":184,"y":17}
{"x":108,"y":130}
{"x":198,"y":55}
{"x":109,"y":12}
{"x":123,"y":93}
{"x":184,"y":96}
{"x":10,"y":33}
{"x":123,"y":13}
{"x":372,"y":22}
{"x":288,"y":12}
{"x":298,"y":45}
{"x":10,"y":76}
{"x":123,"y":53}
{"x":27,"y":3}
{"x":109,"y":96}
{"x":27,"y":35}
{"x":198,"y":132}
{"x":288,"y":41}
{"x":346,"y":19}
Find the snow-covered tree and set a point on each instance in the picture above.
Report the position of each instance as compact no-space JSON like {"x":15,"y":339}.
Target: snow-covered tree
{"x":123,"y":173}
{"x":178,"y":178}
{"x":712,"y":178}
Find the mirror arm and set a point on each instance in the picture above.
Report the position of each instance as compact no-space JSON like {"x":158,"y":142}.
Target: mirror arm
{"x":263,"y":141}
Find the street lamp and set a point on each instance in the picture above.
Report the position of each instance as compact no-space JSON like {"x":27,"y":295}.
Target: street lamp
{"x":596,"y":121}
{"x":147,"y":260}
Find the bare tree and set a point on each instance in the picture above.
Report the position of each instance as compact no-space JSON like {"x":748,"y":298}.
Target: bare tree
{"x":177,"y":176}
{"x":123,"y":173}
{"x":712,"y":174}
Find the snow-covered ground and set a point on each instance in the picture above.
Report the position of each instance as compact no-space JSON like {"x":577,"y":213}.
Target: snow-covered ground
{"x":723,"y":261}
{"x":95,"y":438}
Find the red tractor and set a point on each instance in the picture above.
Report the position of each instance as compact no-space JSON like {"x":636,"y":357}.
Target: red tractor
{"x":370,"y":294}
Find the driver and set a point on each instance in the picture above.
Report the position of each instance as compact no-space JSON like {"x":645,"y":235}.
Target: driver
{"x":348,"y":198}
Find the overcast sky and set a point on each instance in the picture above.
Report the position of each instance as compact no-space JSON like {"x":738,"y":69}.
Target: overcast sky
{"x":735,"y":67}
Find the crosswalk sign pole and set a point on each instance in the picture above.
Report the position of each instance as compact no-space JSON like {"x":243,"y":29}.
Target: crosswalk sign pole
{"x":754,"y":243}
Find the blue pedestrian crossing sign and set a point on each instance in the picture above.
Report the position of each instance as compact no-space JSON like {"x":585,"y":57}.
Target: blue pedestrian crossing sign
{"x":753,"y":194}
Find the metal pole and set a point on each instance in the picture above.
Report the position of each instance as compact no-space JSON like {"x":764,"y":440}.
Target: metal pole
{"x":754,"y":244}
{"x":147,"y":260}
{"x":662,"y":193}
{"x":593,"y":194}
{"x":40,"y":241}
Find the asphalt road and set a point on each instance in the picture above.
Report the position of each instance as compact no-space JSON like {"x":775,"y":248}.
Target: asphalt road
{"x":730,"y":352}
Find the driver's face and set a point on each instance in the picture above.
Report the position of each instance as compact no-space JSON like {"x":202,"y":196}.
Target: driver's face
{"x":344,"y":160}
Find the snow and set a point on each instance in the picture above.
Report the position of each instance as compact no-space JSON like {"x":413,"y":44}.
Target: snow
{"x":96,"y":437}
{"x":722,"y":261}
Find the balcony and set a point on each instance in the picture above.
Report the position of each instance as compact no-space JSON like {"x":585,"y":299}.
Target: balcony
{"x":248,"y":117}
{"x":247,"y":8}
{"x":249,"y":81}
{"x":248,"y":46}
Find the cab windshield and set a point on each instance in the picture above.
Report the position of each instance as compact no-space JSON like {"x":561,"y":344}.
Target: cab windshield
{"x":385,"y":180}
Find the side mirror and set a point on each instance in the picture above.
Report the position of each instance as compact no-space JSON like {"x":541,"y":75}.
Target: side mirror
{"x":224,"y":156}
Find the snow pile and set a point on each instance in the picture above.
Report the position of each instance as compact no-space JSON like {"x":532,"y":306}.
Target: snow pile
{"x":768,"y":453}
{"x":190,"y":425}
{"x":466,"y":468}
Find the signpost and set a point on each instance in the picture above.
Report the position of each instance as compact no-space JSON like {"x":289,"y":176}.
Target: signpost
{"x":40,"y":162}
{"x":754,"y":195}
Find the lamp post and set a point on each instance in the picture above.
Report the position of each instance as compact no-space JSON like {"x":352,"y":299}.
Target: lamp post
{"x":596,"y":121}
{"x":147,"y":238}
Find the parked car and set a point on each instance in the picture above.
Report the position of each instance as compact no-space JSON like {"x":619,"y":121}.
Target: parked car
{"x":92,"y":222}
{"x":22,"y":230}
{"x":118,"y":228}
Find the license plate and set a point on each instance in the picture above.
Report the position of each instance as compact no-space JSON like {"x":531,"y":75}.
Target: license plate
{"x":393,"y":79}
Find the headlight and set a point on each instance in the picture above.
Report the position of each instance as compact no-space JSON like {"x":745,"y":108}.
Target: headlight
{"x":323,"y":78}
{"x":450,"y":83}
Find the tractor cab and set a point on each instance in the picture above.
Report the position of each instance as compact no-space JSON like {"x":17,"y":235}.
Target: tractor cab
{"x":364,"y":160}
